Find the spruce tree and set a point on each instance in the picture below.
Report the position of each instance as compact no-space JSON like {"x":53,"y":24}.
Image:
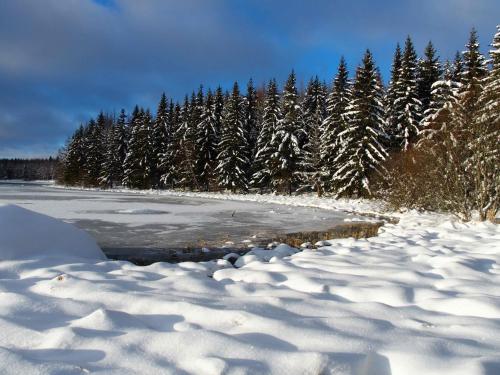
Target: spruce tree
{"x":207,"y":143}
{"x":460,"y":145}
{"x":361,"y":152}
{"x":110,"y":166}
{"x":286,"y":158}
{"x":474,"y":63}
{"x":121,"y":138}
{"x":251,"y":119}
{"x":334,"y":125}
{"x":95,"y":150}
{"x":170,"y":160}
{"x":314,"y":114}
{"x":263,"y":157}
{"x":232,"y":157}
{"x":147,"y":162}
{"x":407,"y":104}
{"x":391,"y":127}
{"x":159,"y":140}
{"x":74,"y":158}
{"x":219,"y":101}
{"x":443,"y":94}
{"x":137,"y":162}
{"x":458,"y":68}
{"x":430,"y":72}
{"x":187,"y":174}
{"x":485,"y":146}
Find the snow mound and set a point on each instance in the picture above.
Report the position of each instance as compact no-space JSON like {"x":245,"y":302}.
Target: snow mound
{"x":26,"y":234}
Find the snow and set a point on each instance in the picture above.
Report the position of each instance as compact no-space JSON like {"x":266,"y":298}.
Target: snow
{"x":363,"y":206}
{"x":25,"y":234}
{"x":421,"y":298}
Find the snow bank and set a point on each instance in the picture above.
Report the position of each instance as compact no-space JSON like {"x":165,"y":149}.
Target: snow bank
{"x":421,"y":298}
{"x":25,"y":234}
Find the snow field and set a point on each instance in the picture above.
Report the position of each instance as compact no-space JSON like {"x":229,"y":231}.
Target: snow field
{"x":421,"y":298}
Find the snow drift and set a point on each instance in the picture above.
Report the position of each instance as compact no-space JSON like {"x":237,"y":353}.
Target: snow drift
{"x":421,"y":298}
{"x":25,"y":234}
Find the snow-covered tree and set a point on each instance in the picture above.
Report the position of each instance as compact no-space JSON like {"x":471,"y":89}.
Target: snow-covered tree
{"x":286,"y":157}
{"x":251,"y":123}
{"x":137,"y":171}
{"x":207,"y":141}
{"x":484,"y":163}
{"x":95,"y":151}
{"x":392,"y":113}
{"x":407,"y":104}
{"x":362,"y":153}
{"x":171,"y":158}
{"x":335,"y":124}
{"x":458,"y":68}
{"x":111,"y":167}
{"x":121,"y":139}
{"x":263,"y":156}
{"x":457,"y":140}
{"x":159,"y":140}
{"x":443,"y":93}
{"x":74,"y":158}
{"x":314,"y":114}
{"x":232,"y":160}
{"x":187,"y":174}
{"x":429,"y":73}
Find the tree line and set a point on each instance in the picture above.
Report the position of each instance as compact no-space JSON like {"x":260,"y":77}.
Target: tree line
{"x":28,"y":169}
{"x":434,"y":127}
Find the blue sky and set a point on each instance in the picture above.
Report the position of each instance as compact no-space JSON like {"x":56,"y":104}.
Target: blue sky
{"x":62,"y":61}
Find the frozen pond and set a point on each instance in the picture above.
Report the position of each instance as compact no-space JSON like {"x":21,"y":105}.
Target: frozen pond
{"x":127,"y":224}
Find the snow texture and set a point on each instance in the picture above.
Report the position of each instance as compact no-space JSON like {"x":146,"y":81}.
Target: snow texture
{"x":25,"y":234}
{"x":421,"y":298}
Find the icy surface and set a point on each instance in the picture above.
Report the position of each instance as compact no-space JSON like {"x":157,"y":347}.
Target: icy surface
{"x":422,"y":298}
{"x":127,"y":222}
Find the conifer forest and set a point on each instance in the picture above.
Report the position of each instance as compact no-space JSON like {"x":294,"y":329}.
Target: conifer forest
{"x":428,"y":139}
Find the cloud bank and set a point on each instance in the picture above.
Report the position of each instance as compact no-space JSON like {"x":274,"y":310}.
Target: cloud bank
{"x":63,"y":61}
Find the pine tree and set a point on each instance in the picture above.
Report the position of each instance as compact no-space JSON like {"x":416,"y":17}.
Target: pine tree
{"x":147,"y":163}
{"x":314,"y":113}
{"x":137,"y":162}
{"x":407,"y":104}
{"x":392,"y":110}
{"x":121,"y":138}
{"x":207,"y":143}
{"x":219,"y":101}
{"x":74,"y":158}
{"x":443,"y":94}
{"x":110,"y":168}
{"x":263,"y":156}
{"x":232,"y":157}
{"x":95,"y":150}
{"x":187,"y":176}
{"x":458,"y":68}
{"x":361,"y":152}
{"x":159,"y":140}
{"x":170,"y":160}
{"x":474,"y":71}
{"x":430,"y":73}
{"x":286,"y":158}
{"x":251,"y":124}
{"x":115,"y":152}
{"x":484,"y":161}
{"x":334,"y":125}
